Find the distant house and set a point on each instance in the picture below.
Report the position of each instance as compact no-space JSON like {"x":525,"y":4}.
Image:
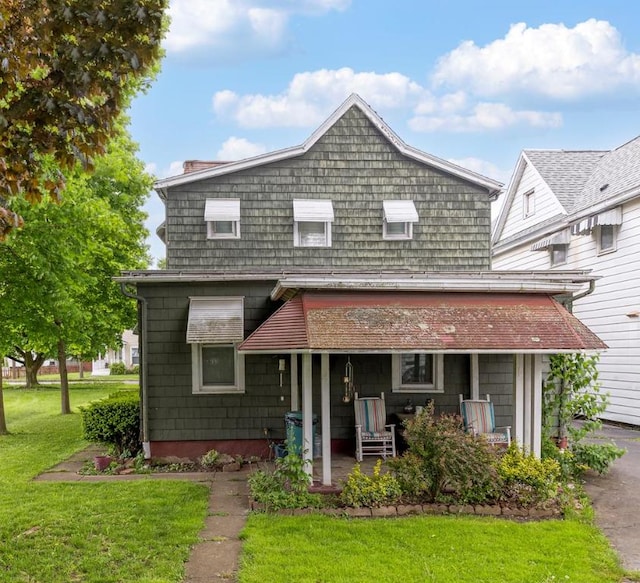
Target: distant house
{"x":127,"y":354}
{"x":351,"y":252}
{"x":567,"y":210}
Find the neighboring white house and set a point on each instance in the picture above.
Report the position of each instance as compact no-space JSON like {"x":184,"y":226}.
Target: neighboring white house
{"x":581,"y":210}
{"x":128,"y":354}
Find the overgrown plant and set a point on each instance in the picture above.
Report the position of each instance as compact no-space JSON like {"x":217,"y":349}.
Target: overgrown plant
{"x":370,"y":491}
{"x":444,"y":459}
{"x":572,"y":391}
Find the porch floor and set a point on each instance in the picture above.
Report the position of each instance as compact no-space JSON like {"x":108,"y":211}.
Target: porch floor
{"x":341,"y":466}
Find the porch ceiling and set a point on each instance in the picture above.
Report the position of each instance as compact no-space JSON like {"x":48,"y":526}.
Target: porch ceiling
{"x":413,"y":321}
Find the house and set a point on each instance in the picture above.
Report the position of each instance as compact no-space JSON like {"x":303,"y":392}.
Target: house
{"x":127,"y":354}
{"x":352,"y":255}
{"x":581,"y":210}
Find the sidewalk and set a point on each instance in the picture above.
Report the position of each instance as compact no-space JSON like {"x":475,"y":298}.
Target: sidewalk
{"x":616,"y":496}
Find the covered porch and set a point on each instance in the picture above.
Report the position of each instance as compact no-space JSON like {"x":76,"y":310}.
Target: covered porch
{"x":478,"y":342}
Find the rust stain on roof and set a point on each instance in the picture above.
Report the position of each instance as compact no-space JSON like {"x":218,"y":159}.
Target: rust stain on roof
{"x":422,"y":321}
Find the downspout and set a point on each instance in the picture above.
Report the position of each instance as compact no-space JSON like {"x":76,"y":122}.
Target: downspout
{"x":568,"y":301}
{"x":144,"y":398}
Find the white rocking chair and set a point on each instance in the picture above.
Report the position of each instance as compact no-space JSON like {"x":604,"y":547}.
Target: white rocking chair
{"x":374,"y":436}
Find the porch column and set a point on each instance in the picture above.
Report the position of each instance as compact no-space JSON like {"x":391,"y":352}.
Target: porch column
{"x":307,"y":414}
{"x":295,"y":399}
{"x":518,"y":398}
{"x":536,"y":421}
{"x":326,"y":420}
{"x":475,"y":377}
{"x":528,"y":399}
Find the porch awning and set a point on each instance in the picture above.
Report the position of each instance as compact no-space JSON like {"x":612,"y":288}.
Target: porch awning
{"x":411,"y":322}
{"x":215,"y":320}
{"x":611,"y":217}
{"x":561,"y":238}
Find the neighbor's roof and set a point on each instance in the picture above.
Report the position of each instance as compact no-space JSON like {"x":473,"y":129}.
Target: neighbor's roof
{"x":353,"y":100}
{"x":434,"y":322}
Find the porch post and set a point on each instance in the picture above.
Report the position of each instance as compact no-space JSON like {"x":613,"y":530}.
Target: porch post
{"x":518,"y":397}
{"x":528,"y":401}
{"x":475,"y":377}
{"x":295,"y":399}
{"x":307,"y":414}
{"x":326,"y":420}
{"x":536,"y":421}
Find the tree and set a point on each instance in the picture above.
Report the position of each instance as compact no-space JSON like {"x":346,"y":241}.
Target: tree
{"x":68,"y":69}
{"x":58,"y":294}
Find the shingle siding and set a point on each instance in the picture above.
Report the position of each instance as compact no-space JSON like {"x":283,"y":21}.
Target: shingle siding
{"x":356,"y":167}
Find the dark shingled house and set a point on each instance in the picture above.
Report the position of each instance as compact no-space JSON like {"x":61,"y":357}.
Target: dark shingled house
{"x":350,"y":249}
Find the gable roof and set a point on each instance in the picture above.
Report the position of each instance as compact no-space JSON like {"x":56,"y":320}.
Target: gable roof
{"x":353,"y":100}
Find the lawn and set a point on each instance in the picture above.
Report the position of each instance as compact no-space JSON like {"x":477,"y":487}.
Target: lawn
{"x":84,"y":532}
{"x":443,"y":549}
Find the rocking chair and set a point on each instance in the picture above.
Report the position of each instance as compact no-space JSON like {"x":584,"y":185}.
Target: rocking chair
{"x":373,"y":435}
{"x":478,"y":418}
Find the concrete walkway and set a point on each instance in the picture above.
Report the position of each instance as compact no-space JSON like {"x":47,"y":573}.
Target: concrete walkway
{"x":616,"y":496}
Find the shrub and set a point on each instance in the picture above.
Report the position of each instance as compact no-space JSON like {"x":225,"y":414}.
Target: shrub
{"x":369,"y":491}
{"x":526,"y":478}
{"x":595,"y":456}
{"x":114,"y":421}
{"x":447,"y":460}
{"x":117,"y":368}
{"x":210,"y":459}
{"x":135,"y":369}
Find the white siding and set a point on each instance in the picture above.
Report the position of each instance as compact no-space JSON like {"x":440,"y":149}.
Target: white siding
{"x":546,"y":204}
{"x":605,"y":311}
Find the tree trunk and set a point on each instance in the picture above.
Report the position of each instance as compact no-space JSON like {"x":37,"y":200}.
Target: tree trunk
{"x":3,"y":421}
{"x":32,"y":365}
{"x":80,"y":367}
{"x":64,"y":378}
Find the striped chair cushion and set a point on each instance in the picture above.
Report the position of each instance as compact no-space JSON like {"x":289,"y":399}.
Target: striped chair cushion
{"x":478,"y":415}
{"x":376,"y":434}
{"x":370,"y":414}
{"x":496,"y":437}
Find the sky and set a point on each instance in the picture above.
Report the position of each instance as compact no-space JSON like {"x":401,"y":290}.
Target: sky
{"x":471,"y":81}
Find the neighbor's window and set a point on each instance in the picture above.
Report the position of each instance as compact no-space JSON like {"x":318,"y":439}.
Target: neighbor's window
{"x":135,"y":355}
{"x":222,"y":216}
{"x":558,"y":254}
{"x":312,"y":220}
{"x":529,"y":203}
{"x":418,"y":372}
{"x":606,"y":238}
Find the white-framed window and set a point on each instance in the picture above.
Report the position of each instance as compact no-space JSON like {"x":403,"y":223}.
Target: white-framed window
{"x":417,"y":372}
{"x":558,"y":254}
{"x":312,"y":220}
{"x":606,"y":235}
{"x":398,"y":219}
{"x":529,"y":203}
{"x":135,"y":355}
{"x":214,"y":330}
{"x":222,"y":216}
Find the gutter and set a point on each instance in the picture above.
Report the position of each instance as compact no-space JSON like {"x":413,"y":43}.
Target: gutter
{"x":144,"y":396}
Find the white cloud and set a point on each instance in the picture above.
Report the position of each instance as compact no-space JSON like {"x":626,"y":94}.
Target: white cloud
{"x":552,"y":60}
{"x":311,"y":96}
{"x":231,"y":30}
{"x":238,"y":149}
{"x":173,"y":169}
{"x":483,"y":167}
{"x":483,"y":117}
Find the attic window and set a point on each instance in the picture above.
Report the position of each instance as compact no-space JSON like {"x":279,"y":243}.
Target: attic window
{"x":222,"y":216}
{"x":399,"y":216}
{"x":312,"y":223}
{"x":528,"y":203}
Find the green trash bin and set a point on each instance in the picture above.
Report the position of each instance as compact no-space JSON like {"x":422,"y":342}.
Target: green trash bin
{"x":293,"y":426}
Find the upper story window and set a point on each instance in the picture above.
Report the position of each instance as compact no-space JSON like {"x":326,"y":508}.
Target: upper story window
{"x":223,"y":218}
{"x":399,"y":216}
{"x":214,"y":329}
{"x":312,"y":220}
{"x":419,"y":372}
{"x":558,"y":254}
{"x":606,"y":235}
{"x":528,"y":203}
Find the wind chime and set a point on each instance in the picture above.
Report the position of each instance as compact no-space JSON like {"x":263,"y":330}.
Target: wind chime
{"x":347,"y":379}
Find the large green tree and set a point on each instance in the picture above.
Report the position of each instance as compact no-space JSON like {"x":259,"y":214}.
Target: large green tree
{"x":57,"y":293}
{"x":67,"y":71}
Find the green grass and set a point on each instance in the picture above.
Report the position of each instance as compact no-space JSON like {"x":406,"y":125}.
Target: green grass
{"x":84,"y":532}
{"x":75,"y":377}
{"x":443,"y":549}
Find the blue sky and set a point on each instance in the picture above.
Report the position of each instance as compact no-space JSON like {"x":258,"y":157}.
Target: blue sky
{"x":470,"y":81}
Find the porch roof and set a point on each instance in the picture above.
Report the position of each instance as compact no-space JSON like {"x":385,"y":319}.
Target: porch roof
{"x":352,"y":321}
